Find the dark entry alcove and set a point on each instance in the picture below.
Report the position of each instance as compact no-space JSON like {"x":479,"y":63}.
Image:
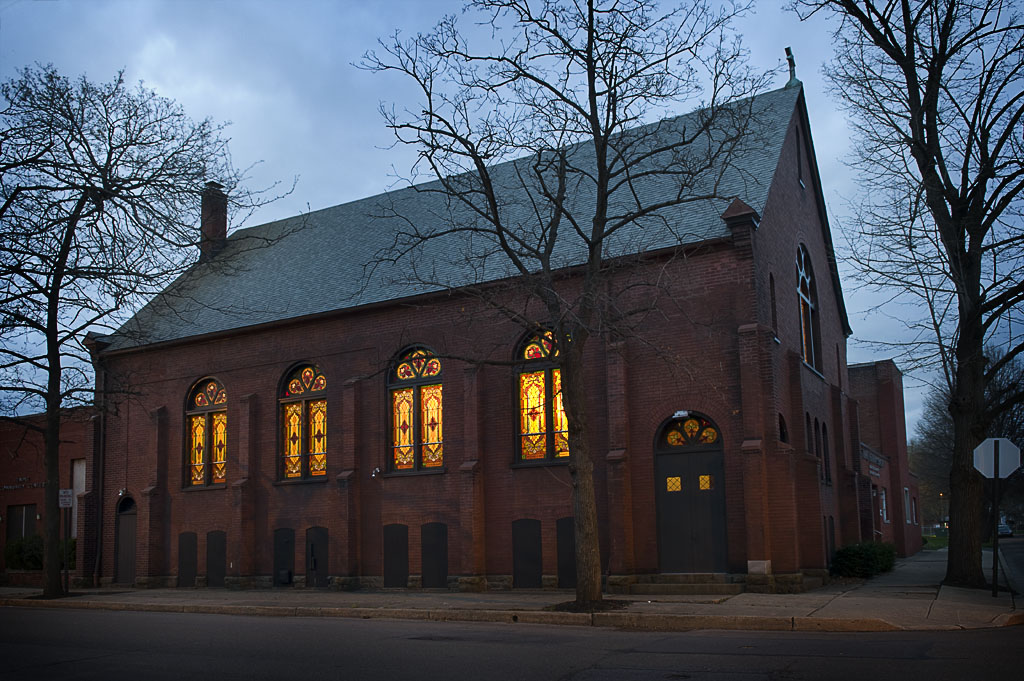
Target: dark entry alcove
{"x":316,"y":556}
{"x":434,"y":555}
{"x":526,"y":554}
{"x":216,"y":557}
{"x":396,"y":556}
{"x":124,"y":547}
{"x":284,"y":555}
{"x":566,"y":528}
{"x":187,"y":554}
{"x":689,"y":473}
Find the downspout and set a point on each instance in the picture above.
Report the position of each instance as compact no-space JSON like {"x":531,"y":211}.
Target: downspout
{"x":95,"y":344}
{"x":100,"y":466}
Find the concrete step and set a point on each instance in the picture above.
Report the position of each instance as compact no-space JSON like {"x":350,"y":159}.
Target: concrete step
{"x":685,"y":578}
{"x":710,"y":589}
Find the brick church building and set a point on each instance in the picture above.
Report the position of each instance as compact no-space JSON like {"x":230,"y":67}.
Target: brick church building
{"x":289,"y":414}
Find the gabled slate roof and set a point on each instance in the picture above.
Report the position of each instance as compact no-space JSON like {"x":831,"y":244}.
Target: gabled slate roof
{"x":330,"y":259}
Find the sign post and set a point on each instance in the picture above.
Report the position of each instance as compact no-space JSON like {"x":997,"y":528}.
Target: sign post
{"x":994,"y":464}
{"x":65,"y":498}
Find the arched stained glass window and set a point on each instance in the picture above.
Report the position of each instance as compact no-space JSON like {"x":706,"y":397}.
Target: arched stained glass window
{"x":304,"y":424}
{"x":810,"y":335}
{"x":543,"y":427}
{"x":417,"y":411}
{"x":692,"y":430}
{"x":206,"y":420}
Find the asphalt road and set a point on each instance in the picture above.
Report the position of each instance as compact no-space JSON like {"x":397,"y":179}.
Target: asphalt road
{"x":92,"y":644}
{"x":1012,"y":550}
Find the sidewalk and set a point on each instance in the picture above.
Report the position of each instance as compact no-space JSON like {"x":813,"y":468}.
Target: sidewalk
{"x":908,"y":598}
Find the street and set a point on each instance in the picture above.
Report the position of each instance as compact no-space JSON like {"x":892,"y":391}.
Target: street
{"x":92,"y":644}
{"x":1012,"y":550}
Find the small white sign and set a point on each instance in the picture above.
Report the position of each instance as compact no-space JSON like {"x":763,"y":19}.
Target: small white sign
{"x":66,"y":496}
{"x":984,"y":457}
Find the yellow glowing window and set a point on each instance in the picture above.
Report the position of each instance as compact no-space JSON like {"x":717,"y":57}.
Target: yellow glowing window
{"x":220,"y":446}
{"x":402,"y":406}
{"x":417,"y":412}
{"x":430,"y":425}
{"x":543,"y":426}
{"x":705,"y":482}
{"x":293,"y":440}
{"x":318,"y":437}
{"x":304,"y":424}
{"x":673,"y":484}
{"x":207,"y":422}
{"x":533,"y":410}
{"x":198,"y":450}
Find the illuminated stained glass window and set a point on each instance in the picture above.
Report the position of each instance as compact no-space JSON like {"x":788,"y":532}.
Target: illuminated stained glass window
{"x":206,"y":418}
{"x":543,"y":427}
{"x":691,"y":430}
{"x":417,"y":411}
{"x":304,"y":424}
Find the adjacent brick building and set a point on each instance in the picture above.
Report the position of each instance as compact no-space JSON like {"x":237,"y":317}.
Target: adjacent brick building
{"x":22,"y":479}
{"x":287,"y":414}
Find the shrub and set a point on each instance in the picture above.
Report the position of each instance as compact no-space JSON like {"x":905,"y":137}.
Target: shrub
{"x":25,"y":553}
{"x":865,"y":560}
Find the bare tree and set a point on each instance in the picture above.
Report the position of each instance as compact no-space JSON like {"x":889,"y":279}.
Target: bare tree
{"x":567,"y":92}
{"x":936,"y":93}
{"x":100,"y":192}
{"x":931,"y":453}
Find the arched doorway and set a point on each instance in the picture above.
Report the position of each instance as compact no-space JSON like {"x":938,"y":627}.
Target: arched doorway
{"x":690,"y":494}
{"x":124,"y":548}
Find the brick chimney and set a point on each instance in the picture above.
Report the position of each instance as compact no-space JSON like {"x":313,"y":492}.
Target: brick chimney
{"x":213,"y":221}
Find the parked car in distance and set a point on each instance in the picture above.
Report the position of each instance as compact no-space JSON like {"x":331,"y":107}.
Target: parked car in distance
{"x":1005,"y":531}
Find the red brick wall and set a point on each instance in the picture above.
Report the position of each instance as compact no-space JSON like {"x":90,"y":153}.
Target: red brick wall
{"x":709,"y":348}
{"x":22,"y":473}
{"x":878,"y":388}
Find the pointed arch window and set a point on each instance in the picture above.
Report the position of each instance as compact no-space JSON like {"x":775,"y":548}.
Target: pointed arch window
{"x":206,"y":419}
{"x":303,"y":403}
{"x":543,"y":427}
{"x":807,"y":291}
{"x":417,"y":411}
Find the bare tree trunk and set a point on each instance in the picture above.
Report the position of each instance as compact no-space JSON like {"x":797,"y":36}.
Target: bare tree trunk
{"x":51,"y":458}
{"x":963,"y":564}
{"x":581,"y":468}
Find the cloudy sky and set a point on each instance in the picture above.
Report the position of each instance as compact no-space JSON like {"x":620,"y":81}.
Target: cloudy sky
{"x":284,"y":75}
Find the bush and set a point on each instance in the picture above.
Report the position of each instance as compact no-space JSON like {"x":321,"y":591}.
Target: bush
{"x":864,"y":560}
{"x":27,"y":553}
{"x":24,"y":554}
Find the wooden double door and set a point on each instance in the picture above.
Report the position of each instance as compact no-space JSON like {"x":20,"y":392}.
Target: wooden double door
{"x":690,"y":495}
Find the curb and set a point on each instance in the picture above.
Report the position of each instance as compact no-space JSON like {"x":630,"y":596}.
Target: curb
{"x":617,"y":620}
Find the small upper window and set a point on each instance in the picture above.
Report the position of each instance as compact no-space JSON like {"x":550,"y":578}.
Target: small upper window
{"x":826,"y":457}
{"x":543,"y":427}
{"x":417,"y":411}
{"x":303,"y":403}
{"x":206,"y":418}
